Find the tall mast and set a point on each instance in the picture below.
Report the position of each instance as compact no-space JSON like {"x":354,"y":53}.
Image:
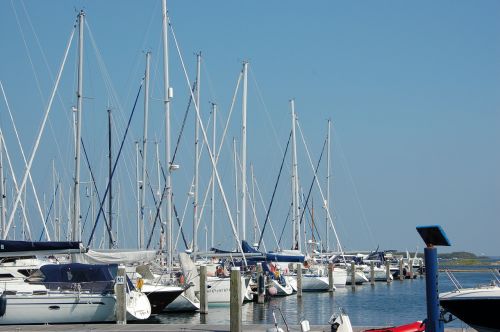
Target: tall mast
{"x":236,"y":187}
{"x":196,"y":156}
{"x":144,"y":150}
{"x":138,"y":202}
{"x":295,"y":185}
{"x":327,"y":203}
{"x":76,"y":236}
{"x":244,"y":153}
{"x":2,"y":191}
{"x":253,"y":207}
{"x":110,"y":170}
{"x":167,"y":93}
{"x":214,"y":148}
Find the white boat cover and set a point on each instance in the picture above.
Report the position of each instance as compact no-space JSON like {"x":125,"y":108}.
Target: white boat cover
{"x":115,"y":256}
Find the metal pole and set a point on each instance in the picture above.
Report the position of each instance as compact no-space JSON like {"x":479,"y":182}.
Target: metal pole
{"x":110,"y":169}
{"x":434,"y":324}
{"x":196,"y":157}
{"x":76,"y":236}
{"x":244,"y":153}
{"x":212,"y":210}
{"x":144,"y":149}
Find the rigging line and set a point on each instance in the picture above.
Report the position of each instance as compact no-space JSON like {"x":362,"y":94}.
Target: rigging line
{"x":8,"y":157}
{"x":37,"y":201}
{"x":210,"y":154}
{"x":180,"y":227}
{"x":28,"y":52}
{"x":351,"y":179}
{"x":274,"y":191}
{"x":312,"y":182}
{"x":284,"y":225}
{"x":261,"y":98}
{"x":156,"y":217}
{"x":48,"y":212}
{"x":16,"y":187}
{"x":39,"y":137}
{"x":320,"y":190}
{"x":44,"y":57}
{"x":183,"y":124}
{"x":115,"y":163}
{"x":96,"y":190}
{"x":312,"y":225}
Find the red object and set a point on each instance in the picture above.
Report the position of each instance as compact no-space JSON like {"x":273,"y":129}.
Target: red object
{"x":417,"y":326}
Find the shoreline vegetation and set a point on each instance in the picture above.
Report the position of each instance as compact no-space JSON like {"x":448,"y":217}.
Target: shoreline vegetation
{"x":462,"y":258}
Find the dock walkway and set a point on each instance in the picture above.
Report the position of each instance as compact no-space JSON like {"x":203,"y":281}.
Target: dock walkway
{"x":165,"y":327}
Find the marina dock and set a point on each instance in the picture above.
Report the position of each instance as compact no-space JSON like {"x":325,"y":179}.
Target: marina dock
{"x":168,"y":327}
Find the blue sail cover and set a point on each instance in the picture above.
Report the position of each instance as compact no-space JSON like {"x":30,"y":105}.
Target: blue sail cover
{"x":95,"y":277}
{"x":8,"y":246}
{"x":272,"y":256}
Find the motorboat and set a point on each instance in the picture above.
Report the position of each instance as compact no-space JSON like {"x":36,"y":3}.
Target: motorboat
{"x":477,"y":307}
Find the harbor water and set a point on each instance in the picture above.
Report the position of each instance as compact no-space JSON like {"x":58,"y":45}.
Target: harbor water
{"x":382,"y":304}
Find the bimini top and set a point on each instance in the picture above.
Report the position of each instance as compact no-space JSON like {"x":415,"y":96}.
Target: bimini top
{"x":95,"y":277}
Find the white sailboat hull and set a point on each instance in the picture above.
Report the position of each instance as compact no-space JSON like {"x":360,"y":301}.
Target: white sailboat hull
{"x":58,"y":308}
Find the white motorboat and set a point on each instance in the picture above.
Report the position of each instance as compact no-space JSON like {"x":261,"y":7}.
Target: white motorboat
{"x":477,"y":307}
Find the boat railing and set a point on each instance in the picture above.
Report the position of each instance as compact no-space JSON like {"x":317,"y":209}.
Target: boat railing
{"x":453,"y":279}
{"x":94,"y":287}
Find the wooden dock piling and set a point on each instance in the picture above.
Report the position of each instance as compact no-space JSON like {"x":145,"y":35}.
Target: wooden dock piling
{"x":401,"y":275}
{"x":203,"y":290}
{"x":330,"y":277}
{"x":235,"y":300}
{"x":388,"y":271}
{"x":353,"y":275}
{"x":372,"y":273}
{"x":261,"y":285}
{"x":121,"y":296}
{"x":299,"y":279}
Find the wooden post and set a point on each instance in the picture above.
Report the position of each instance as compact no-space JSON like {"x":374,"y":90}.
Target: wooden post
{"x":353,"y":274}
{"x":235,"y":300}
{"x":372,"y":273}
{"x":203,"y":290}
{"x":261,"y":285}
{"x":299,"y":279}
{"x":401,"y":276}
{"x":421,"y":268}
{"x":121,"y":296}
{"x":330,"y":277}
{"x":410,"y":268}
{"x":388,"y":271}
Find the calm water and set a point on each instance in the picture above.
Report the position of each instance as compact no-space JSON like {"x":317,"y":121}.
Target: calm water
{"x":380,"y":305}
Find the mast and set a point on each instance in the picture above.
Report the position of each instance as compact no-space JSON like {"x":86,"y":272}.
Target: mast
{"x":236,"y":187}
{"x":244,"y":153}
{"x":76,"y":236}
{"x":167,"y":93}
{"x":110,"y":170}
{"x":2,"y":191}
{"x":196,"y":156}
{"x":214,"y":147}
{"x":295,"y":186}
{"x":144,"y":151}
{"x":327,"y":203}
{"x":253,"y":207}
{"x":138,"y":202}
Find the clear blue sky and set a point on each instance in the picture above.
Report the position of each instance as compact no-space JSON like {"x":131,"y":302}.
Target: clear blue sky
{"x":412,"y":90}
